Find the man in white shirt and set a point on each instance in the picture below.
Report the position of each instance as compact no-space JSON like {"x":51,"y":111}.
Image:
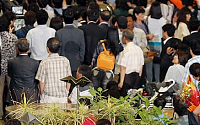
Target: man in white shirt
{"x":131,"y":62}
{"x":38,"y":36}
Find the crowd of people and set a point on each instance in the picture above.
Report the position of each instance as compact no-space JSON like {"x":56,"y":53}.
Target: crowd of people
{"x":62,"y":38}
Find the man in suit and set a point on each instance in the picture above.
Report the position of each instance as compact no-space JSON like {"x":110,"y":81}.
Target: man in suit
{"x":194,"y":27}
{"x":93,"y":34}
{"x":104,"y":18}
{"x":22,"y":71}
{"x":72,"y":40}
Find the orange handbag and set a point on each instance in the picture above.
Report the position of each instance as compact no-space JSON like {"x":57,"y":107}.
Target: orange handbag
{"x":105,"y":60}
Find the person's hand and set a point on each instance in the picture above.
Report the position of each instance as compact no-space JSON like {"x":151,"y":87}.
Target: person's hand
{"x":151,"y":57}
{"x":120,"y":86}
{"x":169,"y":50}
{"x":11,"y":28}
{"x":150,"y":36}
{"x":68,"y":100}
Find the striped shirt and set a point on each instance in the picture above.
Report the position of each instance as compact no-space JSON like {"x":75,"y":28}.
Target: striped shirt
{"x":50,"y":71}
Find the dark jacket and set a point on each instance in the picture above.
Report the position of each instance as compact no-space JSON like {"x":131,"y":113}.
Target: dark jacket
{"x":22,"y":71}
{"x":93,"y":34}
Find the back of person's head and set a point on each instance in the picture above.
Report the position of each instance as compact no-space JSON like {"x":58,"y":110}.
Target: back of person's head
{"x":113,"y":40}
{"x":195,"y":69}
{"x":112,"y":85}
{"x":68,"y":15}
{"x":103,"y":122}
{"x":122,"y":22}
{"x":22,"y":45}
{"x":128,"y":34}
{"x":114,"y":20}
{"x":93,"y":15}
{"x":42,"y":17}
{"x":33,"y":7}
{"x":93,"y":6}
{"x":53,"y":44}
{"x":183,"y":57}
{"x":4,"y":24}
{"x":170,"y":29}
{"x":85,"y":71}
{"x":105,"y":15}
{"x":193,"y":24}
{"x":30,"y":18}
{"x":83,"y":13}
{"x":121,"y":4}
{"x":160,"y":101}
{"x":56,"y":23}
{"x":155,"y":10}
{"x":174,"y":42}
{"x":9,"y":15}
{"x":13,"y":122}
{"x":195,"y":46}
{"x":57,"y":3}
{"x":42,"y":3}
{"x":137,"y":11}
{"x":77,"y":12}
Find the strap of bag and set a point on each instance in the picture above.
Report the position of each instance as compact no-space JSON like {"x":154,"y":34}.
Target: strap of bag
{"x":102,"y":41}
{"x":24,"y":30}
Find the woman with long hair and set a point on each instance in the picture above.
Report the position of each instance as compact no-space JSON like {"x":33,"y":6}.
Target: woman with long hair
{"x":182,"y":30}
{"x":102,"y":77}
{"x":155,"y":22}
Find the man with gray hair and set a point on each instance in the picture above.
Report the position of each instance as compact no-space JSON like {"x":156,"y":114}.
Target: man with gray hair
{"x":22,"y":71}
{"x":131,"y":62}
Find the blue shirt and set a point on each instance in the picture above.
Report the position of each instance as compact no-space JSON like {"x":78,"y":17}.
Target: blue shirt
{"x":21,"y":34}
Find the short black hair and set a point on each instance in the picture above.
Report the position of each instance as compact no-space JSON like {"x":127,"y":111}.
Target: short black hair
{"x":56,"y":23}
{"x":30,"y":18}
{"x":77,"y":12}
{"x":130,"y":15}
{"x":195,"y":46}
{"x":193,"y":24}
{"x":4,"y":24}
{"x":195,"y":69}
{"x":137,"y":11}
{"x":170,"y":29}
{"x":53,"y":44}
{"x":93,"y":15}
{"x":13,"y":122}
{"x":93,"y":6}
{"x":103,"y":122}
{"x":9,"y":15}
{"x":174,"y":42}
{"x":160,"y":101}
{"x":22,"y":45}
{"x":42,"y":17}
{"x":42,"y":3}
{"x":105,"y":15}
{"x":34,"y":7}
{"x":68,"y":15}
{"x":85,"y":71}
